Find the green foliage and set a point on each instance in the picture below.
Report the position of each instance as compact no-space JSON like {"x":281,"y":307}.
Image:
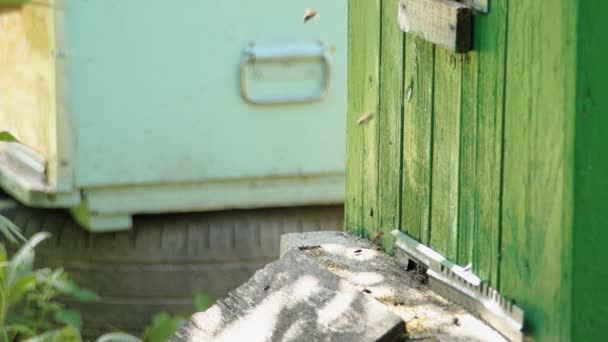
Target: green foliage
{"x":203,"y":301}
{"x":162,"y":327}
{"x":29,"y":306}
{"x":6,"y":136}
{"x":118,"y":337}
{"x":29,"y":309}
{"x":65,"y":334}
{"x":69,"y":318}
{"x":10,"y":231}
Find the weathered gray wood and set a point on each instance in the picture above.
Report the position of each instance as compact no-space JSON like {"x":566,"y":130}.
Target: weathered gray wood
{"x":479,"y":5}
{"x":446,"y":23}
{"x":406,"y":293}
{"x":311,"y":240}
{"x":294,"y":299}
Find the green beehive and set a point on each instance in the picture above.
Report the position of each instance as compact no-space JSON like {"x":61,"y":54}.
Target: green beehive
{"x":494,"y":156}
{"x":129,"y":107}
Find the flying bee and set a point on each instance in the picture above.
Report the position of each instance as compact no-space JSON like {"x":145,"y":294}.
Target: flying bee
{"x":365,"y":118}
{"x":309,"y":14}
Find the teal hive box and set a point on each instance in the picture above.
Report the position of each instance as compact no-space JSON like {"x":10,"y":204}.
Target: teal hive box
{"x":131,"y":107}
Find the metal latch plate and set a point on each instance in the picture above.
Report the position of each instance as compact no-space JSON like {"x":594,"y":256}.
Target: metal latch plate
{"x":461,"y":286}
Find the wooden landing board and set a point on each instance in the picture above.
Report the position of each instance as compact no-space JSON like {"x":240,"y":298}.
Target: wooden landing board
{"x":428,"y":316}
{"x":294,"y":299}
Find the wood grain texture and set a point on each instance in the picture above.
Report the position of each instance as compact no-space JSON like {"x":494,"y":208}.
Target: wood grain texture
{"x":371,"y":129}
{"x":354,"y":136}
{"x":60,"y":168}
{"x":491,"y":46}
{"x":27,"y":78}
{"x":427,"y":314}
{"x":390,"y":117}
{"x":417,"y":137}
{"x":468,"y":182}
{"x":589,"y":178}
{"x":538,"y":109}
{"x":362,"y":145}
{"x":446,"y":152}
{"x":294,"y":299}
{"x":503,"y":154}
{"x":446,"y":23}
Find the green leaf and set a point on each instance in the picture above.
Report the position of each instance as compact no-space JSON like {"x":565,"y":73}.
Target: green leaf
{"x":68,"y":287}
{"x":203,"y":301}
{"x":69,"y":317}
{"x":4,"y":135}
{"x":85,"y":295}
{"x":20,"y":287}
{"x":23,"y":261}
{"x":43,"y":275}
{"x":66,"y":334}
{"x":10,"y":231}
{"x":20,"y":329}
{"x":48,"y":306}
{"x":4,"y":262}
{"x":118,"y":337}
{"x":60,"y":282}
{"x":163,"y":326}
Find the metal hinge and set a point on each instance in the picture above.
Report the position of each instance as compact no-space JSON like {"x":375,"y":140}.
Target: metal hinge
{"x":461,"y":286}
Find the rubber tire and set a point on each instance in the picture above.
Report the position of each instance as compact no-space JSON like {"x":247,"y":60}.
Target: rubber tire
{"x":162,"y":262}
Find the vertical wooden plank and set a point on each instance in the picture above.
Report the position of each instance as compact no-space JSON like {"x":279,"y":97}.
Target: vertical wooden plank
{"x":27,"y":77}
{"x":514,"y":263}
{"x":354,"y":145}
{"x":371,"y":128}
{"x":491,"y":46}
{"x":446,"y":152}
{"x":537,"y":161}
{"x":417,"y":135}
{"x":390,"y":122}
{"x":61,"y":128}
{"x":467,"y":203}
{"x":590,"y":217}
{"x":362,"y":153}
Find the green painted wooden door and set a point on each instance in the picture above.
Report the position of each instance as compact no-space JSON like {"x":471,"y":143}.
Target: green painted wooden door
{"x":491,"y":157}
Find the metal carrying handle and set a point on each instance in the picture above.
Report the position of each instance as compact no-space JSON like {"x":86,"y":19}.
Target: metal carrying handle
{"x":253,"y":54}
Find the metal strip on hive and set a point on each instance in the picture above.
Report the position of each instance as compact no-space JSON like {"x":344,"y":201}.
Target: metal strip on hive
{"x":461,"y":286}
{"x":27,"y":158}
